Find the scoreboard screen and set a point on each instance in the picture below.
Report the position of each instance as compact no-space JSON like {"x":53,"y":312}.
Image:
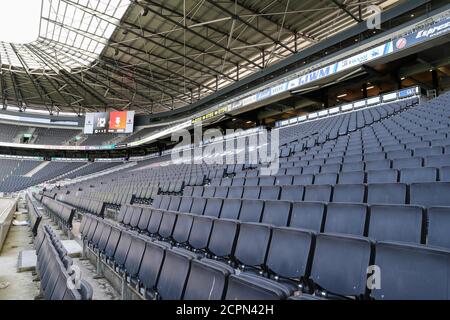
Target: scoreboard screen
{"x":109,"y":122}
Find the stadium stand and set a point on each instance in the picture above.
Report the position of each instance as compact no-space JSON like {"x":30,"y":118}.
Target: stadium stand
{"x":123,"y":200}
{"x":284,"y":233}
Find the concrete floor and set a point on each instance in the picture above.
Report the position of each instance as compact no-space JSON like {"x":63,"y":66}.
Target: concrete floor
{"x":20,"y":286}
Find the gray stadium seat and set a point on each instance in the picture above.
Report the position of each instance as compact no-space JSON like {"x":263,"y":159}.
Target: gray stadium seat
{"x":412,"y":272}
{"x":346,"y":218}
{"x":396,"y":223}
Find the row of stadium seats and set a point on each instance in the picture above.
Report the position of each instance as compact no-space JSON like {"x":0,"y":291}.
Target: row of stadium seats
{"x":267,"y":262}
{"x":54,"y":268}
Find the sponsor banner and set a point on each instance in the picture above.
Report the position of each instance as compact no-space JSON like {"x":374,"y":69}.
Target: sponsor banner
{"x":406,"y":93}
{"x":362,"y":58}
{"x":433,"y":31}
{"x":249,"y":100}
{"x":263,"y":94}
{"x":211,"y":114}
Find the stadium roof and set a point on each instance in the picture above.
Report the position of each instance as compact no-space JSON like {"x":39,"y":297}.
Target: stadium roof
{"x":154,"y":55}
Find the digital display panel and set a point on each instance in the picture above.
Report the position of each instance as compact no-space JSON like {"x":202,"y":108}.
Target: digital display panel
{"x":109,"y":122}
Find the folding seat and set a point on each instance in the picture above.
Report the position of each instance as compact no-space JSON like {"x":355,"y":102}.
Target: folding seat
{"x":123,"y":246}
{"x":251,"y":182}
{"x":288,"y":258}
{"x":283,"y":180}
{"x":399,"y":154}
{"x":310,"y":170}
{"x":396,"y":223}
{"x":412,"y":272}
{"x":411,"y":175}
{"x":430,"y":194}
{"x":165,"y":202}
{"x":428,"y":151}
{"x":182,"y":229}
{"x":90,"y":233}
{"x":399,"y":164}
{"x":200,"y":233}
{"x":339,"y":267}
{"x":223,"y":239}
{"x":386,"y":193}
{"x":318,"y":193}
{"x":187,"y":191}
{"x":238,"y":182}
{"x":241,"y":174}
{"x":244,"y":287}
{"x":447,"y":149}
{"x":103,"y":241}
{"x":382,"y":176}
{"x":303,"y":180}
{"x":215,"y":182}
{"x":374,"y":156}
{"x":352,"y":166}
{"x":206,"y":281}
{"x":154,"y":222}
{"x":231,"y":209}
{"x":316,"y":162}
{"x":144,"y":219}
{"x":419,"y":144}
{"x":265,"y":181}
{"x":235,"y":192}
{"x":393,"y":148}
{"x":226,"y":182}
{"x":251,"y":246}
{"x":251,"y":210}
{"x":352,"y":177}
{"x":378,"y":165}
{"x":437,"y":161}
{"x":276,"y":213}
{"x":333,"y":160}
{"x":136,"y":216}
{"x":331,"y":168}
{"x":325,"y":178}
{"x":252,"y":173}
{"x":213,"y":207}
{"x":221,"y":192}
{"x":185,"y":204}
{"x":198,"y":191}
{"x":349,"y":193}
{"x":134,"y":257}
{"x":444,"y":174}
{"x":353,"y":158}
{"x":174,"y":203}
{"x":308,"y":215}
{"x":198,"y":206}
{"x":97,"y":234}
{"x":208,"y":191}
{"x":292,"y":193}
{"x":441,"y":142}
{"x":120,"y":216}
{"x":167,"y":224}
{"x":173,"y":276}
{"x":346,"y":218}
{"x":251,"y":192}
{"x":150,"y":267}
{"x":438,"y":226}
{"x":269,"y":193}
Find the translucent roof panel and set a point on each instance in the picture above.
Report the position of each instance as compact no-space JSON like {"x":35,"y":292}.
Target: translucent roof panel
{"x":69,"y":33}
{"x":25,"y":23}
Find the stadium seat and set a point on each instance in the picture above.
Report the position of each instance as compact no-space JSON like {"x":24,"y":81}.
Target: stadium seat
{"x":308,"y":215}
{"x":412,"y":272}
{"x":438,"y":226}
{"x":346,"y":218}
{"x":396,"y":223}
{"x":339,"y":267}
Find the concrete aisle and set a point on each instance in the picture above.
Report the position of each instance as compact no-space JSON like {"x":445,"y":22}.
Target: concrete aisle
{"x":20,"y":286}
